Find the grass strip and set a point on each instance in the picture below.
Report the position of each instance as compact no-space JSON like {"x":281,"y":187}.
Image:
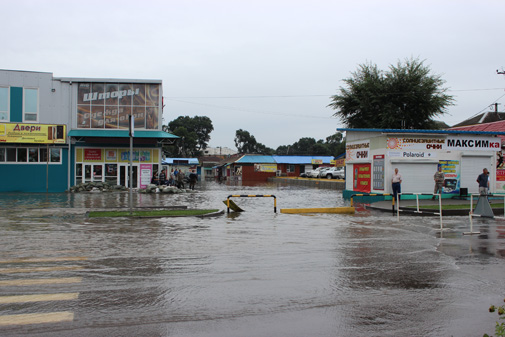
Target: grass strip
{"x":448,"y":207}
{"x":177,"y":212}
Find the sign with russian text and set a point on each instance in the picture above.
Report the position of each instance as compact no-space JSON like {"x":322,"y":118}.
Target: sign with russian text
{"x":474,"y":143}
{"x":265,"y":167}
{"x":146,"y":173}
{"x":451,"y":169}
{"x":358,"y":150}
{"x":362,"y":177}
{"x":378,"y":172}
{"x":92,"y":154}
{"x":414,"y":143}
{"x":32,"y":133}
{"x":109,"y":105}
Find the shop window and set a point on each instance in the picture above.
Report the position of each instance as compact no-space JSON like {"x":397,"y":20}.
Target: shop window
{"x":33,"y":155}
{"x":55,"y":155}
{"x":11,"y":154}
{"x":22,"y":157}
{"x":30,"y":105}
{"x":43,"y":155}
{"x":4,"y":104}
{"x":291,"y":168}
{"x":78,"y":173}
{"x":29,"y":155}
{"x":111,"y":173}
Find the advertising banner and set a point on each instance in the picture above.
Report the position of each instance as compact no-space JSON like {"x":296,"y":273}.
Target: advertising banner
{"x":378,"y":172}
{"x":32,"y":133}
{"x":451,"y":169}
{"x":265,"y":168}
{"x":460,"y":143}
{"x":338,"y":162}
{"x":92,"y":154}
{"x":412,"y":154}
{"x":500,"y":173}
{"x":137,"y":156}
{"x":361,"y":178}
{"x":414,"y":143}
{"x":108,"y":105}
{"x":358,"y":150}
{"x":473,"y":143}
{"x":146,"y":173}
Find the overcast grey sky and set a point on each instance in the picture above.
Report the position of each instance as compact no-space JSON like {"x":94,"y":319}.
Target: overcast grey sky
{"x":268,"y":67}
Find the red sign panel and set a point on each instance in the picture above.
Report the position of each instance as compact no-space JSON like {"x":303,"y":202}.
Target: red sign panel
{"x":500,"y":175}
{"x":362,"y":178}
{"x":92,"y":154}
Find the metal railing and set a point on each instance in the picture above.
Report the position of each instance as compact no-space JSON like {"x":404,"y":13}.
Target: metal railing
{"x":417,"y":206}
{"x":251,"y":196}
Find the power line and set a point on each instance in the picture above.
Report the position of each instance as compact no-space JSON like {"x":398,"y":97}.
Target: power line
{"x":304,"y":96}
{"x":251,"y":111}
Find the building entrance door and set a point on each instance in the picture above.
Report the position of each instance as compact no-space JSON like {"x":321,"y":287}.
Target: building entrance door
{"x":124,"y":178}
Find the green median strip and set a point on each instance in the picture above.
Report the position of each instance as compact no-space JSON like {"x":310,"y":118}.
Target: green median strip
{"x":151,"y":213}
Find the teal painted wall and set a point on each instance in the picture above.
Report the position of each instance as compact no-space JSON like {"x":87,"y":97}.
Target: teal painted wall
{"x":16,"y":105}
{"x":32,"y":177}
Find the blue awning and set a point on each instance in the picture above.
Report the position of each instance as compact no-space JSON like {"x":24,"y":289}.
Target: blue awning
{"x":121,"y":134}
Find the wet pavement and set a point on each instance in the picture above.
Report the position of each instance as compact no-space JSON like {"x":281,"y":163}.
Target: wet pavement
{"x":256,"y":273}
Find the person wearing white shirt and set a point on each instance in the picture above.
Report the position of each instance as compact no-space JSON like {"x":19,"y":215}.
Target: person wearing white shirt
{"x":396,"y":183}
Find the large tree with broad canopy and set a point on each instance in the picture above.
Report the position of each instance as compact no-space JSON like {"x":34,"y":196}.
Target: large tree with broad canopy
{"x":405,"y":96}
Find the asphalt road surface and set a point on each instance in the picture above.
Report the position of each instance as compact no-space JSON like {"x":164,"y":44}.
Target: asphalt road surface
{"x":256,"y":273}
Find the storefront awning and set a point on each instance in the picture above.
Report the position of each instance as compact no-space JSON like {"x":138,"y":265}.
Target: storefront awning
{"x":121,"y":134}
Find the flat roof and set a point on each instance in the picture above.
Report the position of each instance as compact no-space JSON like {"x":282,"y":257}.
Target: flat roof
{"x":105,"y":80}
{"x":442,"y":132}
{"x":120,"y":134}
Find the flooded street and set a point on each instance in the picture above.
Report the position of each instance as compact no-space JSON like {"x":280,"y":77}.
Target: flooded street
{"x":256,"y":273}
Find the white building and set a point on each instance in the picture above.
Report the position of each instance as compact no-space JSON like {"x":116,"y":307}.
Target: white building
{"x":373,"y":154}
{"x":219,"y":151}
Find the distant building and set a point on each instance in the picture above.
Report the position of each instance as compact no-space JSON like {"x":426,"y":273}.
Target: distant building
{"x":219,"y":151}
{"x":258,"y":168}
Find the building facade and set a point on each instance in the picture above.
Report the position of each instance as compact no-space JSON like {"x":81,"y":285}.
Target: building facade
{"x":59,"y":132}
{"x":372,"y":155}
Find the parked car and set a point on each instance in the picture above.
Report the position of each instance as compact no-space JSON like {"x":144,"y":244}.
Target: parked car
{"x":333,"y":173}
{"x":316,"y":172}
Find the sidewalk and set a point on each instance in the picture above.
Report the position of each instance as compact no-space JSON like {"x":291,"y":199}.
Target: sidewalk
{"x":386,"y":206}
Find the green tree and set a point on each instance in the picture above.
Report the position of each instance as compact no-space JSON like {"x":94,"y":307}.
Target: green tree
{"x":334,"y":145}
{"x":246,"y":143}
{"x":194,"y":133}
{"x":406,"y":96}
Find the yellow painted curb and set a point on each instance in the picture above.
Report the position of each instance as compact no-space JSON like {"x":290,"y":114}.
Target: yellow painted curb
{"x":341,"y":210}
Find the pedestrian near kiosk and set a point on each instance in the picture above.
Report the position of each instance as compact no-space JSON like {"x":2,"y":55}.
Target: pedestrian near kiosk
{"x":396,"y":183}
{"x":483,"y":180}
{"x":439,"y":178}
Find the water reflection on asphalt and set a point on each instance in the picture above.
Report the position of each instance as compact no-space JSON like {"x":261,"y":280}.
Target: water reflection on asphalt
{"x":256,"y":273}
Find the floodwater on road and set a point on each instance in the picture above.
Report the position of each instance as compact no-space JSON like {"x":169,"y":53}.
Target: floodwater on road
{"x":256,"y":273}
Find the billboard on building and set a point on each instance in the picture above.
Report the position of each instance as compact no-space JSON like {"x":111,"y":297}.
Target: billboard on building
{"x":32,"y":133}
{"x":108,"y":105}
